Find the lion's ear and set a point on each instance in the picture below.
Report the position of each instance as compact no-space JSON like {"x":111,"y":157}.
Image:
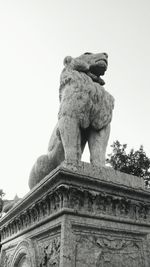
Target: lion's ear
{"x":67,"y":60}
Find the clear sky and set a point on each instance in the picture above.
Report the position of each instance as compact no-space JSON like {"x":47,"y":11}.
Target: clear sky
{"x":35,"y":36}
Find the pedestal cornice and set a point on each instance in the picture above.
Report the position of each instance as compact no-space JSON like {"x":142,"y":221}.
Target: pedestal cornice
{"x":81,"y":190}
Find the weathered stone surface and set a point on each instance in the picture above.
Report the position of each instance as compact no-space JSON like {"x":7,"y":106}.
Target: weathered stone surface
{"x":49,"y":252}
{"x":108,"y":249}
{"x":79,"y":217}
{"x":84,"y":116}
{"x":106,"y":174}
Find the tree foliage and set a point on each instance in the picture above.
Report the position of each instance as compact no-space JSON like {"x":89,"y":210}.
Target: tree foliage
{"x":134,"y":162}
{"x":1,"y":193}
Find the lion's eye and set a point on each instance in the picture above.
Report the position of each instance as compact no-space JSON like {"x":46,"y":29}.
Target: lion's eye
{"x":87,"y":53}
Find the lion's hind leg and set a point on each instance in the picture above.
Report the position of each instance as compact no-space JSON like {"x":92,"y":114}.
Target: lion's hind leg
{"x":55,"y":148}
{"x":46,"y":163}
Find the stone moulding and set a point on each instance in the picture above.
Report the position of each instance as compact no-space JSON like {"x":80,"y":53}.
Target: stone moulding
{"x":74,"y":190}
{"x":24,"y":249}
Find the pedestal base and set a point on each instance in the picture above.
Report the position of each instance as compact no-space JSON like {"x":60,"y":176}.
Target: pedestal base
{"x":79,"y":216}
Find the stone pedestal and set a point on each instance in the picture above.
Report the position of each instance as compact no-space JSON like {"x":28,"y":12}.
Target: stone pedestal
{"x":79,"y":217}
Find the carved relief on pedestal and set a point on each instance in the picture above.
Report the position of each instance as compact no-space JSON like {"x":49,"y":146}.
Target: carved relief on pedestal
{"x":6,"y":256}
{"x":24,"y":255}
{"x":103,"y":203}
{"x":36,"y":212}
{"x":6,"y":259}
{"x":24,"y":262}
{"x":78,"y":200}
{"x":49,"y":252}
{"x":108,"y":252}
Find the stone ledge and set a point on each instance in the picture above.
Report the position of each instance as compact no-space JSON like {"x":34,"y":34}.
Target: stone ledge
{"x":106,"y":174}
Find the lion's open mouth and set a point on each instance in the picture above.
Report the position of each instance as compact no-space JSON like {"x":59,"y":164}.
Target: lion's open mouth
{"x":99,"y":67}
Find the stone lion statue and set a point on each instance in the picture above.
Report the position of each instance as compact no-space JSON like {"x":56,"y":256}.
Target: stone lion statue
{"x":84,"y":116}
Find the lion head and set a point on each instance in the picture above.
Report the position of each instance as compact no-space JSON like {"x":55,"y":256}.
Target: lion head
{"x":94,"y":65}
{"x":81,"y":93}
